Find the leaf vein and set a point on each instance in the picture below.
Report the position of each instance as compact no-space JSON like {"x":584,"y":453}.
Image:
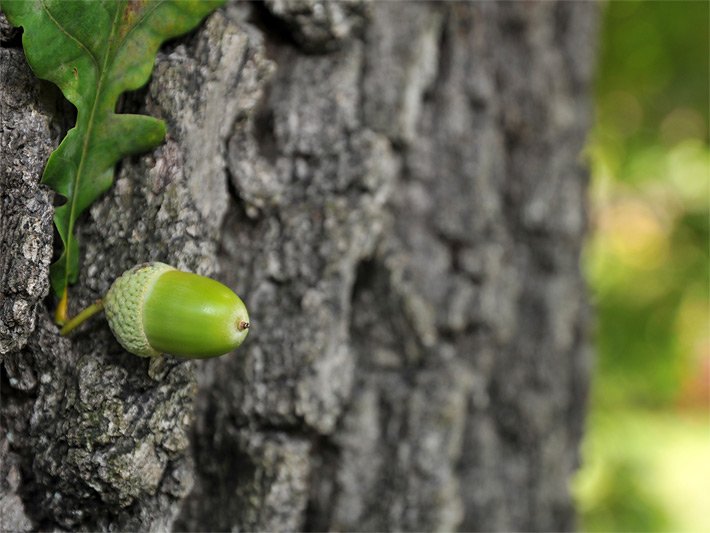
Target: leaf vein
{"x":87,"y":139}
{"x":72,"y":37}
{"x":140,"y":21}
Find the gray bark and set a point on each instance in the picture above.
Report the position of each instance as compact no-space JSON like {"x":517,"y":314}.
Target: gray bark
{"x":396,"y":192}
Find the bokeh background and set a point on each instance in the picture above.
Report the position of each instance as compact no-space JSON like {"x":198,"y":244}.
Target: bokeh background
{"x":646,"y":454}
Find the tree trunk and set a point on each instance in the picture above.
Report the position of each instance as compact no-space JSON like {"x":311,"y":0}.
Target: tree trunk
{"x":397,"y":193}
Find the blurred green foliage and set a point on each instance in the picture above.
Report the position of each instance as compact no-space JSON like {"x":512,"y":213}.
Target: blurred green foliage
{"x":647,"y":260}
{"x":652,"y":78}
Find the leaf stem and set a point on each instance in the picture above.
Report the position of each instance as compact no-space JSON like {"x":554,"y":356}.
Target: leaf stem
{"x":82,"y":317}
{"x":60,"y":315}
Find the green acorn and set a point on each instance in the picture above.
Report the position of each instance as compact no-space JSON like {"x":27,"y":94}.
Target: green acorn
{"x":154,"y":308}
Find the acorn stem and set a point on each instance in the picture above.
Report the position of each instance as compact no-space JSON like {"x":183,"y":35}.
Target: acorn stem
{"x":82,"y":317}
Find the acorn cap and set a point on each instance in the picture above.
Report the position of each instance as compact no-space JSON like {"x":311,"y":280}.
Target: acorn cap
{"x":154,"y":308}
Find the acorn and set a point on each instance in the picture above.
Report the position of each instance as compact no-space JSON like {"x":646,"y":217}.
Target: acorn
{"x":154,"y":308}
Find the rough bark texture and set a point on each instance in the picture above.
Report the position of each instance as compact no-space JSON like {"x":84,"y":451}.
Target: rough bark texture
{"x":396,"y":191}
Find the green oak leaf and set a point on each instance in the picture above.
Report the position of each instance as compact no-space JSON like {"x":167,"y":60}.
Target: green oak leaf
{"x":94,"y":50}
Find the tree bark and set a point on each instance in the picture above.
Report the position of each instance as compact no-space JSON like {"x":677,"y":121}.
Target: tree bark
{"x":397,"y":193}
